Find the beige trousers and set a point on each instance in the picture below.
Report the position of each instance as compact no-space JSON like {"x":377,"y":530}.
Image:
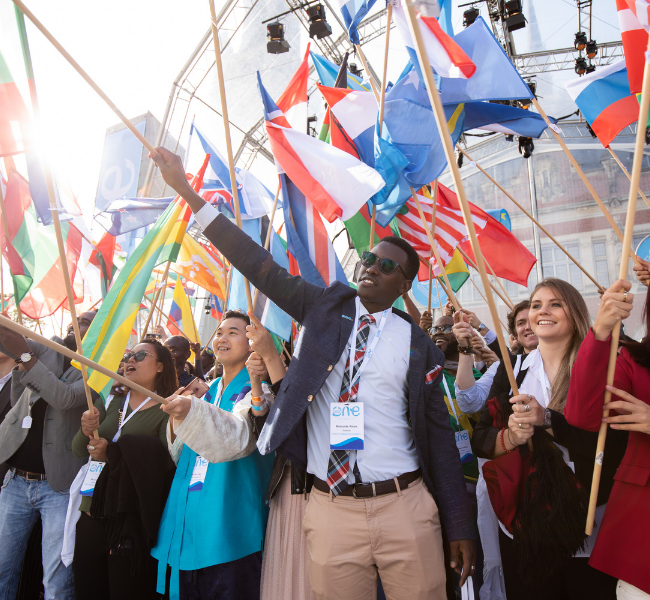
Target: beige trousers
{"x":397,"y":535}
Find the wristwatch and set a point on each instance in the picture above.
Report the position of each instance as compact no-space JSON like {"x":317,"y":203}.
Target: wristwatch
{"x":25,"y":357}
{"x":482,"y":326}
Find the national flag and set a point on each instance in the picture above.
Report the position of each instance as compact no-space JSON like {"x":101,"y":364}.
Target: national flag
{"x":353,"y":12}
{"x":14,"y":117}
{"x":307,"y":238}
{"x":604,"y":100}
{"x":635,"y":41}
{"x":641,"y":9}
{"x":336,"y":183}
{"x":496,"y":78}
{"x":329,"y":71}
{"x":102,"y":258}
{"x":200,"y":265}
{"x":445,"y":17}
{"x":255,"y":200}
{"x":181,"y":320}
{"x":32,"y":252}
{"x":216,"y":308}
{"x":128,"y":214}
{"x":359,"y":229}
{"x":445,"y":56}
{"x":501,"y":118}
{"x":294,"y":99}
{"x":458,"y":274}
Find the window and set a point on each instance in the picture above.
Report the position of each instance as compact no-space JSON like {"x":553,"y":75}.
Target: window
{"x":600,"y":262}
{"x":556,"y":264}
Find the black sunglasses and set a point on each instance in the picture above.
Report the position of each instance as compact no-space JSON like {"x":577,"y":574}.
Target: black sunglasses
{"x":138,"y":356}
{"x":386,"y":265}
{"x":441,"y":329}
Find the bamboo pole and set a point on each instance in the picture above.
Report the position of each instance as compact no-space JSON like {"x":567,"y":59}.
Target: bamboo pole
{"x":164,"y":291}
{"x":430,"y":280}
{"x":439,"y":299}
{"x":373,"y":220}
{"x":267,"y":242}
{"x":620,"y":164}
{"x":75,"y":65}
{"x":61,"y":349}
{"x":448,"y":146}
{"x":151,"y":311}
{"x":226,"y":127}
{"x":627,"y":241}
{"x":534,"y":220}
{"x":433,"y":233}
{"x":582,"y":176}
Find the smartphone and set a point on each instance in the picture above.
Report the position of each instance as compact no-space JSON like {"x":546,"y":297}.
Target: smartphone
{"x":197,"y":387}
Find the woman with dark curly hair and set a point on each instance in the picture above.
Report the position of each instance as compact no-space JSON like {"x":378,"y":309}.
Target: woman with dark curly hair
{"x":108,"y":564}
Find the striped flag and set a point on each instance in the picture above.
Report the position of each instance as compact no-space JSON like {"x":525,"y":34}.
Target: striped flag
{"x":635,"y":41}
{"x":199,"y":264}
{"x":216,"y":307}
{"x":641,"y":9}
{"x":181,"y":321}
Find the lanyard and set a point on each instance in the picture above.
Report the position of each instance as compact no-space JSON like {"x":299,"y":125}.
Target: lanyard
{"x":370,"y":349}
{"x":126,"y":403}
{"x":451,"y":400}
{"x":217,"y":400}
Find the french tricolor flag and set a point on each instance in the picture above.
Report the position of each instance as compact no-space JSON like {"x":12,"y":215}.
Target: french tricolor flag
{"x":446,"y":57}
{"x":335,"y":182}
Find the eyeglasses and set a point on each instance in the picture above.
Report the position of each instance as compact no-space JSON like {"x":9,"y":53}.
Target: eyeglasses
{"x":138,"y":356}
{"x":386,"y":265}
{"x":441,"y":329}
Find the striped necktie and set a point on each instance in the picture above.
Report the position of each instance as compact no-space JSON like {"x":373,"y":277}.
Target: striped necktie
{"x":339,"y":462}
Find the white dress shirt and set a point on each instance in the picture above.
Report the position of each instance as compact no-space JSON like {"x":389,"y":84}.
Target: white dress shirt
{"x":389,"y":449}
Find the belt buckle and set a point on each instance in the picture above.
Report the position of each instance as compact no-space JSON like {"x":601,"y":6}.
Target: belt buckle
{"x":30,"y":477}
{"x":354,"y":490}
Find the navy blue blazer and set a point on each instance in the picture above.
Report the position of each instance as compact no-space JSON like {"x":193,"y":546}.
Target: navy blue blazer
{"x":323,"y":339}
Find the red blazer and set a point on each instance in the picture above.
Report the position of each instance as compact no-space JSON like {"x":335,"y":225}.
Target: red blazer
{"x":623,"y":545}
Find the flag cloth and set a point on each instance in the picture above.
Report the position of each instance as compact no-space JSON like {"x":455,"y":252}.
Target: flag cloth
{"x":14,"y":117}
{"x":109,"y":332}
{"x":102,"y":257}
{"x":445,"y":56}
{"x":128,"y":214}
{"x":199,"y":264}
{"x":32,"y":252}
{"x":641,"y":9}
{"x":353,"y":12}
{"x":604,"y":100}
{"x":336,"y":183}
{"x":496,"y":78}
{"x":181,"y":320}
{"x":329,"y":71}
{"x":635,"y":41}
{"x":293,"y":101}
{"x":504,"y":119}
{"x":307,"y":238}
{"x":216,"y":307}
{"x":359,"y":229}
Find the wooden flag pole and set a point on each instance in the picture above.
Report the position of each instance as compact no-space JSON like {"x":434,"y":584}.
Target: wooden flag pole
{"x":472,"y":264}
{"x":582,"y":176}
{"x":75,"y":65}
{"x":484,"y":300}
{"x":534,"y":220}
{"x":433,"y":230}
{"x":430,"y":278}
{"x":2,"y":283}
{"x":438,"y":111}
{"x":367,"y":70}
{"x":627,"y":242}
{"x":150,"y":315}
{"x":439,"y":299}
{"x":620,"y":164}
{"x":506,"y":299}
{"x":61,"y":349}
{"x":6,"y":232}
{"x":164,"y":292}
{"x":267,"y":242}
{"x":226,"y":127}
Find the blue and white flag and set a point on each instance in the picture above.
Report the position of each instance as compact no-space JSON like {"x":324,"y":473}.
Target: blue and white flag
{"x":353,"y":12}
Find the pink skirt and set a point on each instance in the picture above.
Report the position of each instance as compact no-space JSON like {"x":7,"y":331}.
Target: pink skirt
{"x":284,"y":566}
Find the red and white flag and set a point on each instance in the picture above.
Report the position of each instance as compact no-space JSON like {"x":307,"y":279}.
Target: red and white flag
{"x":641,"y":8}
{"x":635,"y":39}
{"x":293,"y":101}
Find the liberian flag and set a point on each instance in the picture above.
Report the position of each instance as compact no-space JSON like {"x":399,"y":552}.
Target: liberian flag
{"x":293,"y":101}
{"x":336,"y":183}
{"x":446,"y":57}
{"x":635,"y":42}
{"x":604,"y":99}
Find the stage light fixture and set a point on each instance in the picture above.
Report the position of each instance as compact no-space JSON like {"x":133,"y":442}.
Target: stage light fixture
{"x":510,"y":138}
{"x":590,"y":69}
{"x":514,"y":19}
{"x":318,"y":26}
{"x":208,"y":308}
{"x":275,"y":34}
{"x":581,"y":66}
{"x":591,"y":49}
{"x":469,"y":16}
{"x":354,"y":70}
{"x":580,"y":42}
{"x":591,"y":131}
{"x":526,"y":146}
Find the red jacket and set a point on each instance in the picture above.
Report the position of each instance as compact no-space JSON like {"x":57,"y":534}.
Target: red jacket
{"x":623,"y":544}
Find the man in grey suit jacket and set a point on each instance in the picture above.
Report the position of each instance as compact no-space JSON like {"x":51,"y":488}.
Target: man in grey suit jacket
{"x":48,"y":399}
{"x":375,"y":508}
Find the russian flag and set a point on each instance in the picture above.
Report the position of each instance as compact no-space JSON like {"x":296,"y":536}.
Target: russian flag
{"x":446,"y":57}
{"x":336,"y":183}
{"x":604,"y":99}
{"x":293,"y":101}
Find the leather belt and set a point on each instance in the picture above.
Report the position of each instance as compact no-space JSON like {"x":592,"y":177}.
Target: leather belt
{"x":370,"y":490}
{"x":30,"y":476}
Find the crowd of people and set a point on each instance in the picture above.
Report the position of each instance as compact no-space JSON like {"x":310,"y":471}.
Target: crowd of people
{"x":388,"y":458}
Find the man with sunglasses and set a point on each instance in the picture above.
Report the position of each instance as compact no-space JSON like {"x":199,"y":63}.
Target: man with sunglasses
{"x":371,"y":510}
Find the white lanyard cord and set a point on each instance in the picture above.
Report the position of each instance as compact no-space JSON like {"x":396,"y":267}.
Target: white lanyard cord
{"x":217,"y":400}
{"x":451,"y":400}
{"x":353,"y":342}
{"x":126,"y":403}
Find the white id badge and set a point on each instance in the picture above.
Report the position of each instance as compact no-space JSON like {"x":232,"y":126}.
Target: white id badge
{"x":92,"y":474}
{"x":198,"y":474}
{"x":346,"y":426}
{"x":27,"y":422}
{"x":464,"y":446}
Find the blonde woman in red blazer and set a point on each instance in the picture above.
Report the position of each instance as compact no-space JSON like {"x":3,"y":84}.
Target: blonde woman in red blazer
{"x":623,"y":545}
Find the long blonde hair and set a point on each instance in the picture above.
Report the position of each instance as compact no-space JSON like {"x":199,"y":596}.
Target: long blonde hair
{"x":578,"y":315}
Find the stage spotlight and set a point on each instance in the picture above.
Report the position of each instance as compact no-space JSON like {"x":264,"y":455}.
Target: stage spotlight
{"x":580,"y":42}
{"x":275,"y":34}
{"x":514,"y":19}
{"x":208,"y":308}
{"x":510,"y":138}
{"x":590,"y":69}
{"x":354,"y":70}
{"x":581,"y":66}
{"x":591,"y":49}
{"x":318,"y":26}
{"x":526,"y":146}
{"x":469,"y":16}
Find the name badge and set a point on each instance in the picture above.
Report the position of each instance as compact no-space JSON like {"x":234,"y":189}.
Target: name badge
{"x":346,"y":426}
{"x":27,"y":422}
{"x":88,"y":485}
{"x":464,"y":446}
{"x":198,"y":474}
